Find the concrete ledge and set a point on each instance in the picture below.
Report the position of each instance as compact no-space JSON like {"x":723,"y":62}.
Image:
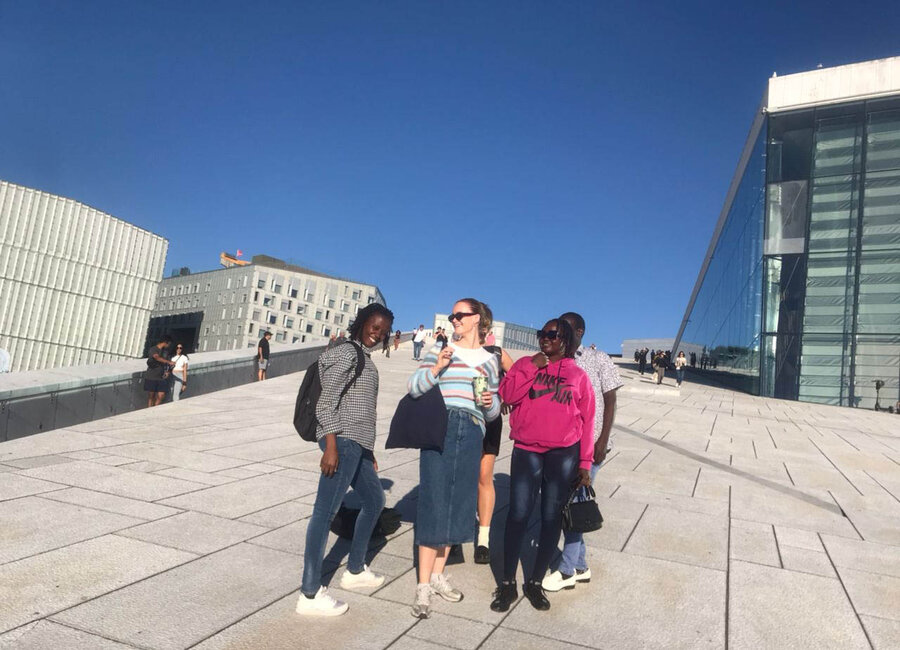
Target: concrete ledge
{"x":42,"y":400}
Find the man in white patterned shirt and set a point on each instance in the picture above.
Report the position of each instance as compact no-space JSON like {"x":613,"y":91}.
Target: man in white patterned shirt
{"x":605,"y":379}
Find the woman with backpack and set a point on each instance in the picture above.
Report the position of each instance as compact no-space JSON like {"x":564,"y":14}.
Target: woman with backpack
{"x":345,"y":412}
{"x":448,"y":479}
{"x":552,"y":425}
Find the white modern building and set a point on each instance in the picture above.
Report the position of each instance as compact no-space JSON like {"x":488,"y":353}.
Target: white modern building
{"x":508,"y":335}
{"x":230,"y":308}
{"x":76,"y":284}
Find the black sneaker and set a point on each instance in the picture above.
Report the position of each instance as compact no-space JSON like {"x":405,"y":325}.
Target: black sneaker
{"x":535,"y":595}
{"x":504,"y":596}
{"x":482,"y":555}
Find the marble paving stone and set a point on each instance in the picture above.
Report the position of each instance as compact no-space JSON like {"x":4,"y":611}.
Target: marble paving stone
{"x":14,"y":486}
{"x":243,"y":497}
{"x":112,"y":461}
{"x":635,"y":602}
{"x":183,"y":606}
{"x":41,"y":585}
{"x":873,"y":594}
{"x":504,"y":638}
{"x":194,"y":532}
{"x":681,"y":536}
{"x":239,"y":472}
{"x":619,"y":519}
{"x":451,"y":631}
{"x":187,"y":459}
{"x":806,"y":561}
{"x":58,"y":441}
{"x":87,"y":454}
{"x":111,"y":503}
{"x":33,"y":525}
{"x":278,"y":627}
{"x":797,"y":538}
{"x":204,"y":478}
{"x":280,"y":515}
{"x":884,"y":633}
{"x":265,"y":450}
{"x":146,"y":466}
{"x":263,"y":468}
{"x":754,"y":542}
{"x":863,"y":556}
{"x":408,"y":642}
{"x":773,"y":608}
{"x":114,"y":480}
{"x":38,"y":461}
{"x":679,"y":502}
{"x":794,"y":507}
{"x":216,"y":438}
{"x":878,"y":528}
{"x":44,"y":635}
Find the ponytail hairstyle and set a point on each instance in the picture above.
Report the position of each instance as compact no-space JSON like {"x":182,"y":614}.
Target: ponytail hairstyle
{"x":486,"y":316}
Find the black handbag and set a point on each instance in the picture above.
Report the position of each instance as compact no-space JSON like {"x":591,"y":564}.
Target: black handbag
{"x":419,"y":423}
{"x":582,"y":516}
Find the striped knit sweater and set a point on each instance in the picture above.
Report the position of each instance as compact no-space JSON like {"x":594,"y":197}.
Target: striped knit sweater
{"x":455,"y":381}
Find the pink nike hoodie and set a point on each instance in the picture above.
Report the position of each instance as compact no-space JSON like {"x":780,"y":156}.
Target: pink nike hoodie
{"x":554,"y":407}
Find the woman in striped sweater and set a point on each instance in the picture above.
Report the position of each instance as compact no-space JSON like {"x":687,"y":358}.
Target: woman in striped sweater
{"x":448,"y":480}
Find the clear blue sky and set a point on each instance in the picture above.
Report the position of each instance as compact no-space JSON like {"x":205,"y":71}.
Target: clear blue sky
{"x":540,"y":156}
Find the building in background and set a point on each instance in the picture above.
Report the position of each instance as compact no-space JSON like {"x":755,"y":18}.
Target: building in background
{"x":76,"y":284}
{"x":229,"y":308}
{"x":508,"y":335}
{"x":798,"y":296}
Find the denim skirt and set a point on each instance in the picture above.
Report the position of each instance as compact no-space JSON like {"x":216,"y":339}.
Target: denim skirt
{"x":448,"y":484}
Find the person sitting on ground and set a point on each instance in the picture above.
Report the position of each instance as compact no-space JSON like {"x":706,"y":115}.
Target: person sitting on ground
{"x":346,"y":434}
{"x":552,"y":424}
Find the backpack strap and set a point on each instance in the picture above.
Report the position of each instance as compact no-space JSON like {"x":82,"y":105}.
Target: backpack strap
{"x":360,"y":366}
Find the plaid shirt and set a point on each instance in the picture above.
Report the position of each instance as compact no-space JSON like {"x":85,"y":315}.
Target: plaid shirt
{"x":604,"y":377}
{"x":352,"y":416}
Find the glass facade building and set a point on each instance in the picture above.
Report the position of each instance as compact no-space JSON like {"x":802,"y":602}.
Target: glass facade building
{"x":799,"y":295}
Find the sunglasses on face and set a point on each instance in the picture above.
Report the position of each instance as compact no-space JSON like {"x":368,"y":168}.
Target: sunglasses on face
{"x":549,"y":334}
{"x":458,"y":316}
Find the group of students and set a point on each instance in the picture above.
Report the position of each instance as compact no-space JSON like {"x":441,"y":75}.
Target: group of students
{"x":561,"y":404}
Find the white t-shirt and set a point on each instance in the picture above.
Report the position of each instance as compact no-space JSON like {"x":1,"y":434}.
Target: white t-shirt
{"x":420,"y":336}
{"x":181,"y":362}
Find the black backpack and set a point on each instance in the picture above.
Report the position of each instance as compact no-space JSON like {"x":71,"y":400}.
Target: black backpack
{"x":311,"y":389}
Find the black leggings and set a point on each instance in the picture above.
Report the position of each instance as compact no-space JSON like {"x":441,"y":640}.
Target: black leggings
{"x":553,"y":473}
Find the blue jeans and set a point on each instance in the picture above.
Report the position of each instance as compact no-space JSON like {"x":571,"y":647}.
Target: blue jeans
{"x":355,"y":467}
{"x":574,"y":554}
{"x":448,"y":484}
{"x":417,"y":349}
{"x":553,"y":473}
{"x":679,"y":375}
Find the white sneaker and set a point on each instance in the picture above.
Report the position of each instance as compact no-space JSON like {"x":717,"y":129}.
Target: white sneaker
{"x":422,"y":607}
{"x":361,"y":580}
{"x":583,"y":576}
{"x":556,"y":581}
{"x":322,"y":605}
{"x":442,"y":587}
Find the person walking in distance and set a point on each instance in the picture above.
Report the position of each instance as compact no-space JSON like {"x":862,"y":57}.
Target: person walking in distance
{"x":346,"y":435}
{"x":659,"y":364}
{"x":397,"y":336}
{"x":490,"y":449}
{"x":642,"y":360}
{"x":418,"y":342}
{"x":605,"y":380}
{"x":552,"y":425}
{"x":262,"y":354}
{"x":680,"y":363}
{"x":448,"y":479}
{"x":179,"y":372}
{"x":386,"y":345}
{"x":156,"y":378}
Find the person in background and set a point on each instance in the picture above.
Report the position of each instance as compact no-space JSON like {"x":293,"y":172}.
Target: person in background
{"x":490,"y":339}
{"x":262,"y":354}
{"x":642,"y":362}
{"x":448,"y":479}
{"x":605,"y":381}
{"x":386,"y":345}
{"x":490,"y":449}
{"x":659,"y":364}
{"x":418,"y":342}
{"x":397,"y":339}
{"x":440,"y":337}
{"x":346,"y":435}
{"x":156,"y":378}
{"x":552,"y":425}
{"x":179,"y":372}
{"x":680,"y":363}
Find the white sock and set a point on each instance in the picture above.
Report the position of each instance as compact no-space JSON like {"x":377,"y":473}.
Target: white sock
{"x":484,"y":535}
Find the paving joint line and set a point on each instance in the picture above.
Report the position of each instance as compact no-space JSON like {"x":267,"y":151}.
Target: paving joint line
{"x":728,"y":572}
{"x":636,"y":524}
{"x":881,"y":486}
{"x":846,"y":592}
{"x":836,"y":467}
{"x":777,"y":546}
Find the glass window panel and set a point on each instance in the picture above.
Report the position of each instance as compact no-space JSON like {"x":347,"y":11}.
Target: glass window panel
{"x":837,"y":147}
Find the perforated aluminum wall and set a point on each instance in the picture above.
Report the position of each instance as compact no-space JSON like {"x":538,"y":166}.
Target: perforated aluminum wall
{"x":76,"y":284}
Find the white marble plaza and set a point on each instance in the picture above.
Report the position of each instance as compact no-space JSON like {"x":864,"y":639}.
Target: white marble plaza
{"x":731,"y":521}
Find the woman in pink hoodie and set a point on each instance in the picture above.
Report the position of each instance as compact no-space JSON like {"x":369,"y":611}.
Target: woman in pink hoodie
{"x":552,"y":427}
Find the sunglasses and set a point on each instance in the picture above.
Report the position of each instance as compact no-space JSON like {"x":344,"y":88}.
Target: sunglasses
{"x":460,"y":315}
{"x":549,"y":334}
{"x":178,"y":347}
